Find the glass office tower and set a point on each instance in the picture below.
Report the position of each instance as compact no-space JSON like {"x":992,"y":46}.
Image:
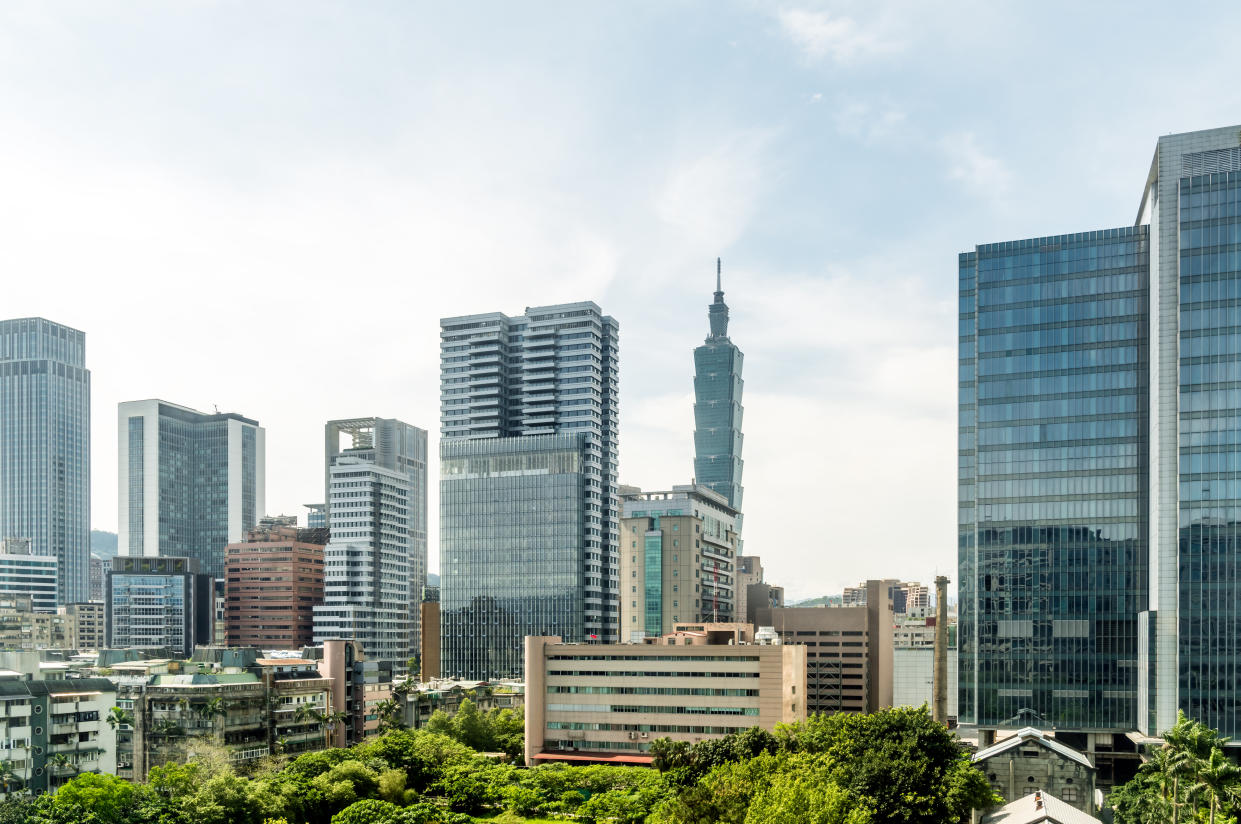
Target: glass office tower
{"x":1185,"y":334}
{"x":1209,"y":493}
{"x":717,"y":406}
{"x":526,"y":498}
{"x":1053,"y":471}
{"x":528,"y":463}
{"x":45,"y":447}
{"x":189,"y":483}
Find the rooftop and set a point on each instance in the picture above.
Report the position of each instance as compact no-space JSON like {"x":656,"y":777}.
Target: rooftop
{"x":1038,"y":807}
{"x":1029,"y":734}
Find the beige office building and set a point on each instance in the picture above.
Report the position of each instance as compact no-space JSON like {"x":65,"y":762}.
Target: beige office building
{"x":678,"y":560}
{"x":849,"y":650}
{"x":606,"y":703}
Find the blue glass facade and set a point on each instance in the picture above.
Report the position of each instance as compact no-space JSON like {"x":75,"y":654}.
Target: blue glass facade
{"x":45,"y":446}
{"x":717,"y":408}
{"x":1209,"y":625}
{"x":513,"y":513}
{"x":1053,"y":471}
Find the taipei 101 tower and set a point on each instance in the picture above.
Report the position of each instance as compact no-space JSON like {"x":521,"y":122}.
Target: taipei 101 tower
{"x":717,"y":406}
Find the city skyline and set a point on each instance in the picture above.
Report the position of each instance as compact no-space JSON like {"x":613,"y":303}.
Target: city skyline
{"x":773,"y":136}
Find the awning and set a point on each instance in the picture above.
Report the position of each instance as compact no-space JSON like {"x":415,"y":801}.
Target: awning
{"x":595,"y":758}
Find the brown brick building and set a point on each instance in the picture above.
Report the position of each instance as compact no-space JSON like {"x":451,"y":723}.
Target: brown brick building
{"x":274,"y":581}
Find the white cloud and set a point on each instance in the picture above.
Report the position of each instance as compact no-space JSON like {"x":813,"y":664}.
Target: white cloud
{"x":710,"y":196}
{"x":974,"y":167}
{"x":867,"y":121}
{"x":820,"y":35}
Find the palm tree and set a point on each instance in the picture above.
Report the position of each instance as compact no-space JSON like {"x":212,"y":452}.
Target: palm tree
{"x":210,"y":710}
{"x":118,"y":717}
{"x":60,"y":761}
{"x":390,"y":715}
{"x":7,"y":776}
{"x":334,"y":718}
{"x":1217,"y":779}
{"x":311,"y":713}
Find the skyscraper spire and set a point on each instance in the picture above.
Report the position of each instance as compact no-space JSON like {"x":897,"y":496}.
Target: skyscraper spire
{"x":717,"y":312}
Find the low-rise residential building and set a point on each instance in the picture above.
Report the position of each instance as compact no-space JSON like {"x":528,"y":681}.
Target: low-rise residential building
{"x":356,"y":682}
{"x":445,"y":695}
{"x":88,"y":625}
{"x":848,"y":650}
{"x":606,"y":703}
{"x":299,"y":698}
{"x":1029,"y":761}
{"x":178,"y":716}
{"x":53,"y":730}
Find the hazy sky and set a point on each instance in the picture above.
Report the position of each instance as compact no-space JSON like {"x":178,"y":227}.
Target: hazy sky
{"x":267,"y":206}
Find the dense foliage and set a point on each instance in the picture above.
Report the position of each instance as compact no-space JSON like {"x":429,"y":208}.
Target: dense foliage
{"x":499,"y":730}
{"x":891,"y":766}
{"x":1189,"y":779}
{"x":894,"y":766}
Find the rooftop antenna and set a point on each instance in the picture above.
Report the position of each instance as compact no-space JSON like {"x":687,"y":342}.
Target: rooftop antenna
{"x":718,"y":267}
{"x":216,"y":408}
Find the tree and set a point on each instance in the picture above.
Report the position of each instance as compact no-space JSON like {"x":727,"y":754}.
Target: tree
{"x":392,"y":785}
{"x":334,"y":719}
{"x":118,"y":717}
{"x":368,"y":811}
{"x":107,"y":797}
{"x":1217,"y":782}
{"x":900,"y":760}
{"x":470,"y":727}
{"x":391,"y":715}
{"x":804,"y":793}
{"x":440,"y":724}
{"x":227,"y":799}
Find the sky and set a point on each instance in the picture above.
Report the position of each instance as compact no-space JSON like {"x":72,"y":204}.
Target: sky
{"x":266,"y":207}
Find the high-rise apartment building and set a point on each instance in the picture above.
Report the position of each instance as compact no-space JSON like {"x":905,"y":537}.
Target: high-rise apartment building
{"x":366,"y":562}
{"x":678,"y":560}
{"x":45,"y":446}
{"x":188,"y":482}
{"x":1100,"y":418}
{"x":402,"y":448}
{"x":717,"y":406}
{"x":274,"y":581}
{"x":528,"y":504}
{"x":908,"y":597}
